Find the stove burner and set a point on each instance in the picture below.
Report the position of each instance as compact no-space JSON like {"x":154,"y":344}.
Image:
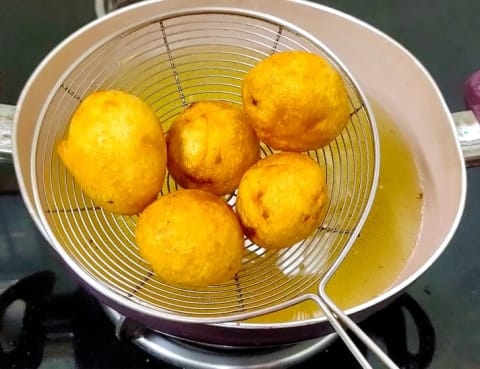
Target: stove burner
{"x":29,"y":339}
{"x":193,"y":355}
{"x":72,"y":330}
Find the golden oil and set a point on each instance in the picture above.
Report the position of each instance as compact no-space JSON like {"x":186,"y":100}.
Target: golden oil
{"x":388,"y":236}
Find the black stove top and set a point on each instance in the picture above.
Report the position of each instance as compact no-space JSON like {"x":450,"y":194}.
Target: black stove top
{"x":70,"y":330}
{"x":47,"y":321}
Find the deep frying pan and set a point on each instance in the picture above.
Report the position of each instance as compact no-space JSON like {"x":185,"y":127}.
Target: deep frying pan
{"x":415,"y":102}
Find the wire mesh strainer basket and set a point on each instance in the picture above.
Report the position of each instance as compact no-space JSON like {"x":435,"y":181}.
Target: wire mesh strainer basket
{"x":170,"y":62}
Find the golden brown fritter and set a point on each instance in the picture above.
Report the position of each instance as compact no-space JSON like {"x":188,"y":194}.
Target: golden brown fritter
{"x":191,"y":238}
{"x":281,"y":199}
{"x":210,"y":146}
{"x":116,"y":151}
{"x":295,"y":101}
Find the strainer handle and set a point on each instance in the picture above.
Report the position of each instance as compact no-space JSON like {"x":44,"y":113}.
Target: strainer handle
{"x":340,"y":321}
{"x":6,"y":123}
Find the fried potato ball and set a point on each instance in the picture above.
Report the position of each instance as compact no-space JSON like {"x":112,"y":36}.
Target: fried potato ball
{"x":281,"y":199}
{"x":295,"y":101}
{"x":191,"y":238}
{"x":116,"y":151}
{"x":210,"y":146}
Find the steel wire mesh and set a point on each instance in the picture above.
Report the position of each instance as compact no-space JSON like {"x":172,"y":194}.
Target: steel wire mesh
{"x":170,"y":63}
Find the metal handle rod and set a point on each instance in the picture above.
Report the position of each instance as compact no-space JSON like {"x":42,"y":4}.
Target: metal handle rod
{"x":468,"y":135}
{"x":339,"y":321}
{"x":6,"y":123}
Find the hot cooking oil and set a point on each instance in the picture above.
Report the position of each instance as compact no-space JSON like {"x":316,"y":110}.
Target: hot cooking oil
{"x":387,"y":238}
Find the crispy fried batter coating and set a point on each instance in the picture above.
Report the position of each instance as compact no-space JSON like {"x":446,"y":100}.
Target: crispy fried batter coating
{"x":191,"y":238}
{"x":116,"y":151}
{"x":210,"y":146}
{"x":281,"y":199}
{"x":295,"y":101}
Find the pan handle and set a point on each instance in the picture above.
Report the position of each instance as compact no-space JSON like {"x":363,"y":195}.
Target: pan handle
{"x":6,"y":123}
{"x":468,"y":135}
{"x":466,"y":122}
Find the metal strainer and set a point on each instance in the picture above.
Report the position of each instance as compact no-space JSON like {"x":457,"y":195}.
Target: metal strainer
{"x":171,"y":61}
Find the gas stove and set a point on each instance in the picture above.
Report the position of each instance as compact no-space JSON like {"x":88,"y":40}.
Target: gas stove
{"x":48,"y":321}
{"x":42,"y":328}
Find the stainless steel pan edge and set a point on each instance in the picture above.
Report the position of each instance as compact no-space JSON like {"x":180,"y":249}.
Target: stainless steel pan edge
{"x":319,"y":21}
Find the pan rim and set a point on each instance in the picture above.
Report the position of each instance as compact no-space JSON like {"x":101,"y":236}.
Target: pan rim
{"x":382,"y":297}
